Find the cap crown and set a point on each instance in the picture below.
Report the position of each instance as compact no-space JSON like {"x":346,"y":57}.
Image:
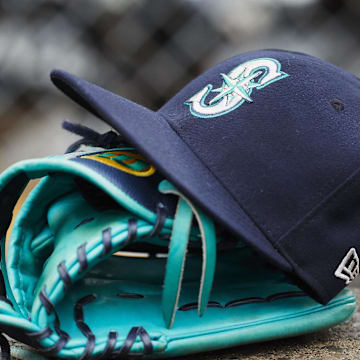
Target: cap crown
{"x":280,"y":130}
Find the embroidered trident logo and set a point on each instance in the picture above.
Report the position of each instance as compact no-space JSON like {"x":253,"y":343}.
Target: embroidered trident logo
{"x":236,"y":88}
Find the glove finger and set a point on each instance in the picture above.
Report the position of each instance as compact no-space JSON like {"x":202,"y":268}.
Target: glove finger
{"x":176,"y":262}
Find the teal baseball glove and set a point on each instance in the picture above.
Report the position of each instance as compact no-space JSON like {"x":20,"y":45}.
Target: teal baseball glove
{"x":107,"y":259}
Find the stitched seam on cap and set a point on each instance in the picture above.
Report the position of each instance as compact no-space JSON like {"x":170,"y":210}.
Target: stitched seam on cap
{"x":300,"y":228}
{"x":255,"y":218}
{"x":249,"y":219}
{"x":287,"y":256}
{"x":314,"y":213}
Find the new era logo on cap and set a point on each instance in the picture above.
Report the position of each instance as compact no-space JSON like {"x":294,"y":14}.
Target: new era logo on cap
{"x":348,"y":269}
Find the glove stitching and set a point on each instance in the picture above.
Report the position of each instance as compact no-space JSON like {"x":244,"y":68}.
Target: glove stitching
{"x":110,"y":345}
{"x":112,"y":336}
{"x":246,"y":301}
{"x":107,"y":241}
{"x":74,"y":263}
{"x":161,"y":214}
{"x":40,"y":335}
{"x":63,"y":336}
{"x":81,"y":256}
{"x":65,"y":278}
{"x":64,"y":275}
{"x":83,"y":327}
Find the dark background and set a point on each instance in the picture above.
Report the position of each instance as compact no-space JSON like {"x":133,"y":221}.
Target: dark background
{"x":143,"y":50}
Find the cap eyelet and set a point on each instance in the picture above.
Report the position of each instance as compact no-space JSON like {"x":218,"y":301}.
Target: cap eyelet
{"x":337,"y":105}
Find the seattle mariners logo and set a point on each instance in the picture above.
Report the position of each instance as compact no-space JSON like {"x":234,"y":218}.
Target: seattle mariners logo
{"x":236,"y":88}
{"x":124,"y":160}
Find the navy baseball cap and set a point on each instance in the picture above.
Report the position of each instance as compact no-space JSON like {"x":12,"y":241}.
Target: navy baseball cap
{"x":268,"y":143}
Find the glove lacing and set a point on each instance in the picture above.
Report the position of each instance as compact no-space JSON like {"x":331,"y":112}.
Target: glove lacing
{"x":90,"y":137}
{"x":180,"y":235}
{"x":174,"y":271}
{"x":110,"y":140}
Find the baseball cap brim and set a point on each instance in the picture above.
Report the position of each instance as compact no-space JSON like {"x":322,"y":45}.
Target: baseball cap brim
{"x":153,"y":136}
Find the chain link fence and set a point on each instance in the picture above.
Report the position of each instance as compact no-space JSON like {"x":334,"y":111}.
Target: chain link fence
{"x":143,"y":50}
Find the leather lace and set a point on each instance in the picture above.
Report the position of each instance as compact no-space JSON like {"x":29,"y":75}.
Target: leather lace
{"x":208,"y":240}
{"x":90,"y":137}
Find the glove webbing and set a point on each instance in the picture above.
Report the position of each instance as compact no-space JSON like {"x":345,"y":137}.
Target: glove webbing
{"x":177,"y":254}
{"x":90,"y":137}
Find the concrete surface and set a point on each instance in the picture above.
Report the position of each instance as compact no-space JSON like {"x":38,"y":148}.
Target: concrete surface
{"x":341,"y":342}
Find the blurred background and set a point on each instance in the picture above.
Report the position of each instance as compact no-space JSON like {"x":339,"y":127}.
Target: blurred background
{"x":143,"y":50}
